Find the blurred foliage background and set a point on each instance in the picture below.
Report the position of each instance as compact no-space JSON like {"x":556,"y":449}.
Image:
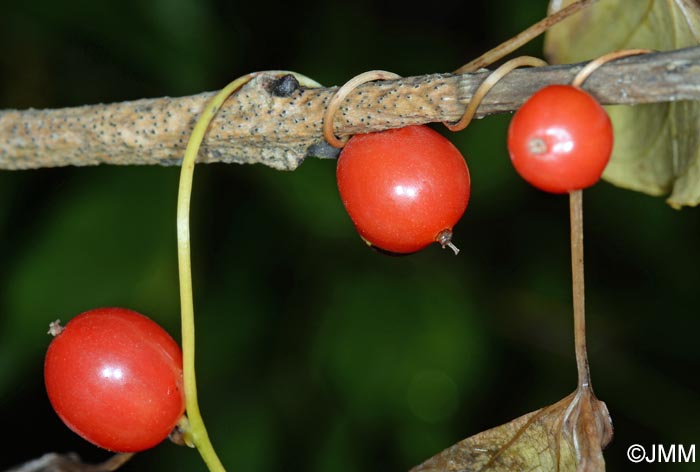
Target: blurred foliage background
{"x":314,"y":352}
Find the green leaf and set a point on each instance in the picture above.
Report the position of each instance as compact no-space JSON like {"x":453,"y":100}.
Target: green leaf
{"x":656,"y":146}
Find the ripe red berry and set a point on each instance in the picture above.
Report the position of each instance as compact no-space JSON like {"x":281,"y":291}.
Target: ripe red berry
{"x":115,"y":378}
{"x":403,"y":188}
{"x":560,"y":139}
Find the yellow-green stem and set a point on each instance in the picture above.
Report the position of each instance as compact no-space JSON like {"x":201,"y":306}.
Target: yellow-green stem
{"x":197,"y":431}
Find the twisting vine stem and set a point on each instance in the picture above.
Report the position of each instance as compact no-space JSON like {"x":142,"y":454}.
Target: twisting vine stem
{"x":340,"y":95}
{"x":197,"y":432}
{"x":486,"y":86}
{"x":595,"y":64}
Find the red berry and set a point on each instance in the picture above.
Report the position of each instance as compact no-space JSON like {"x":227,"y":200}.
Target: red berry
{"x":560,"y":139}
{"x":403,"y":188}
{"x":115,"y":378}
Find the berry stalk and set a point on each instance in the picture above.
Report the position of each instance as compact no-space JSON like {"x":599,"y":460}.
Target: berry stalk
{"x":577,"y":278}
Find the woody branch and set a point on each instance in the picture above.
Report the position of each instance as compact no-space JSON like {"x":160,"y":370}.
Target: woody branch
{"x":273,"y":122}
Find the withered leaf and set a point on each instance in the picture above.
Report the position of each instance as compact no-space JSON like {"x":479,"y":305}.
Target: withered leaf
{"x":54,"y":462}
{"x":566,"y":436}
{"x":657,"y":147}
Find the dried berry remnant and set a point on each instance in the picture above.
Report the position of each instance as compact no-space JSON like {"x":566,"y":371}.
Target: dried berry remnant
{"x":55,"y":328}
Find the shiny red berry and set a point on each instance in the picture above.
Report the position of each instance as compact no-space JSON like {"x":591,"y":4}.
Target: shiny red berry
{"x":115,"y":378}
{"x":560,"y":139}
{"x":403,"y":188}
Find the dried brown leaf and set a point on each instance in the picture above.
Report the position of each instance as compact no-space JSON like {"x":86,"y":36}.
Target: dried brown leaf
{"x":566,"y":436}
{"x":657,"y":149}
{"x":54,"y":462}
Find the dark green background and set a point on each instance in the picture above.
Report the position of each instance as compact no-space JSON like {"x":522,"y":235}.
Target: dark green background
{"x":314,"y":352}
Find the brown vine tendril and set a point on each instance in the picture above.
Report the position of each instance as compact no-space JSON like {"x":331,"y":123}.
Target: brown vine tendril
{"x":485,"y":59}
{"x":341,"y":94}
{"x":595,"y":64}
{"x":486,"y":86}
{"x":525,"y":36}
